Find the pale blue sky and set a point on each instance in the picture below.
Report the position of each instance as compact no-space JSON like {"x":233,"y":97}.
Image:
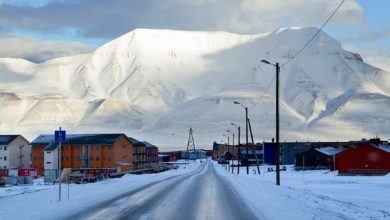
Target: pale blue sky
{"x":362,"y":25}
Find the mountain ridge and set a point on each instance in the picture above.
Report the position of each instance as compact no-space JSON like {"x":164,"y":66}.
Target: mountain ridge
{"x":152,"y":83}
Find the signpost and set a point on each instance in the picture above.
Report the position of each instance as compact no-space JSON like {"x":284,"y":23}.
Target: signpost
{"x":59,"y":136}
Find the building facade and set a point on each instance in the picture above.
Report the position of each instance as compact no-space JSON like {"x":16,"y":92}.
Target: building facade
{"x":83,"y":151}
{"x":365,"y":159}
{"x":15,"y":152}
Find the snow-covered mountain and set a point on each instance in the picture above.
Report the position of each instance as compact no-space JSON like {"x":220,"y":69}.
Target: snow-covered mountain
{"x":155,"y":84}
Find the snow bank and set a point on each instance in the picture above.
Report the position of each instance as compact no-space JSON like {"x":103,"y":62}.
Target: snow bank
{"x":40,"y":201}
{"x":312,"y":194}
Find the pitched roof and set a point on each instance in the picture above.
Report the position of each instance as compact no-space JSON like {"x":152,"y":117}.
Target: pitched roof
{"x":330,"y":151}
{"x":149,"y":144}
{"x":80,"y":138}
{"x":6,"y":139}
{"x":136,"y":142}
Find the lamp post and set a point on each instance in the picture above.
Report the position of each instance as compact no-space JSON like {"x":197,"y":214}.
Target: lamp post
{"x":232,"y":148}
{"x":246,"y":125}
{"x":277,"y":121}
{"x":238,"y":154}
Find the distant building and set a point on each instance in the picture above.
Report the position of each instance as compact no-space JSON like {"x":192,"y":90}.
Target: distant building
{"x":15,"y":152}
{"x":193,"y":154}
{"x":83,"y":151}
{"x":318,"y":158}
{"x":151,"y":154}
{"x":139,"y":153}
{"x":365,"y":159}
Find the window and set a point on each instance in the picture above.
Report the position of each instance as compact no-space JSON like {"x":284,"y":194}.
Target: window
{"x":48,"y":162}
{"x":66,"y":158}
{"x":67,"y":148}
{"x":5,"y":158}
{"x":97,"y":158}
{"x":1,"y":158}
{"x":91,"y":158}
{"x":91,"y":147}
{"x":97,"y":148}
{"x":35,"y":148}
{"x":48,"y":152}
{"x":5,"y":148}
{"x":35,"y":158}
{"x":109,"y":158}
{"x":109,"y":147}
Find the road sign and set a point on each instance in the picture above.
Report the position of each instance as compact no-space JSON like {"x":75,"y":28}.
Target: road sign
{"x":59,"y":136}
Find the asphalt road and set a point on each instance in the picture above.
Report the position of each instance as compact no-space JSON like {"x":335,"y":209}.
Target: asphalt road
{"x":202,"y":194}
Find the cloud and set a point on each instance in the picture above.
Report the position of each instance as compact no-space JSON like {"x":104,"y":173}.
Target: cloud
{"x":37,"y":50}
{"x":108,"y":19}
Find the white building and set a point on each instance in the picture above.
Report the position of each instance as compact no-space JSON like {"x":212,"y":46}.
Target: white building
{"x":15,"y":152}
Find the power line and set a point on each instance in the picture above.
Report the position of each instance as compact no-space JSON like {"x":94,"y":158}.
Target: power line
{"x":299,"y":51}
{"x":312,"y":38}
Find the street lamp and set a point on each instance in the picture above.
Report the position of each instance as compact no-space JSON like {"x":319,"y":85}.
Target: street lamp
{"x":277,"y":121}
{"x":246,"y":125}
{"x":232,"y":148}
{"x":238,"y":155}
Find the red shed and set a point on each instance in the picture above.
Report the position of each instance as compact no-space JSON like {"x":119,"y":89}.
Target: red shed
{"x":365,"y":159}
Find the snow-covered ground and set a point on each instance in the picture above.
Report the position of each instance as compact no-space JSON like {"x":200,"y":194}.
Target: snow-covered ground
{"x":40,"y":201}
{"x":317,"y":194}
{"x":302,"y":195}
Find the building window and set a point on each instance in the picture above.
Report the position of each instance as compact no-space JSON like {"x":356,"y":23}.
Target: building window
{"x":66,"y":158}
{"x":35,"y":158}
{"x":67,"y":148}
{"x":78,"y":147}
{"x":35,"y":148}
{"x":91,"y":158}
{"x":97,"y":158}
{"x":5,"y":158}
{"x":97,"y":148}
{"x":5,"y":148}
{"x":48,"y":162}
{"x":109,"y":158}
{"x":91,"y":147}
{"x":109,"y":147}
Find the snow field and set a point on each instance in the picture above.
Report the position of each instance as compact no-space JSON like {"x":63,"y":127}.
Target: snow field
{"x":312,"y":194}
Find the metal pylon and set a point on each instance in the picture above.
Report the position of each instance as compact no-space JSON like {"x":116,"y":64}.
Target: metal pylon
{"x":190,"y":144}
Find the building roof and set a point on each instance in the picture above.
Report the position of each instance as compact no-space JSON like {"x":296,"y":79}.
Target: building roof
{"x":136,"y":142}
{"x":330,"y":151}
{"x":6,"y":139}
{"x":80,"y":138}
{"x":149,"y":144}
{"x":384,"y":147}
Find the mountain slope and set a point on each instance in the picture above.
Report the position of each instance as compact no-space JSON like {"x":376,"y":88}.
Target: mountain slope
{"x":153,"y":83}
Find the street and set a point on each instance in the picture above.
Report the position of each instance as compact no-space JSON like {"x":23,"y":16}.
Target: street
{"x":202,"y":194}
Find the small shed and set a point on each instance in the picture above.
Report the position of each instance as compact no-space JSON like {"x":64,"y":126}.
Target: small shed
{"x":316,"y":158}
{"x":365,"y":159}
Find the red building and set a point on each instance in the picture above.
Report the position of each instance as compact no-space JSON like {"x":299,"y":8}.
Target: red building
{"x":365,"y":159}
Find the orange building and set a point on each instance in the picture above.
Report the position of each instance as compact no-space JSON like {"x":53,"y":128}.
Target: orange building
{"x":83,"y":151}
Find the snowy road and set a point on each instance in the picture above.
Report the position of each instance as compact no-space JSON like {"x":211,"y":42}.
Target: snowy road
{"x":202,"y":194}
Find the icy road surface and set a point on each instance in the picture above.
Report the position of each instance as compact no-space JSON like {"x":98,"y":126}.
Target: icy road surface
{"x":202,"y":194}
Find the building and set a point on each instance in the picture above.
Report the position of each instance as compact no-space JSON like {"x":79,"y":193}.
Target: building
{"x":83,"y":151}
{"x":169,"y":156}
{"x":220,"y":149}
{"x":318,"y":158}
{"x":15,"y":152}
{"x":139,"y":153}
{"x":151,"y":154}
{"x":365,"y":159}
{"x":193,"y":154}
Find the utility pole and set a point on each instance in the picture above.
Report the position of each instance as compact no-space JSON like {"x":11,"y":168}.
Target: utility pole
{"x":246,"y":124}
{"x":277,"y":121}
{"x":277,"y":127}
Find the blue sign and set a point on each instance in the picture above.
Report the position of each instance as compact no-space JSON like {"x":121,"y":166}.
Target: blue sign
{"x":59,"y":136}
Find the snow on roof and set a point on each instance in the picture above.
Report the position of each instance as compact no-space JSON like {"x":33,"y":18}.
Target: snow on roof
{"x":148,"y":144}
{"x":384,"y":147}
{"x":330,"y":151}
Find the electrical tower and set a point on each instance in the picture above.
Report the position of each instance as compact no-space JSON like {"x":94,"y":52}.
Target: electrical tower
{"x":190,"y":144}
